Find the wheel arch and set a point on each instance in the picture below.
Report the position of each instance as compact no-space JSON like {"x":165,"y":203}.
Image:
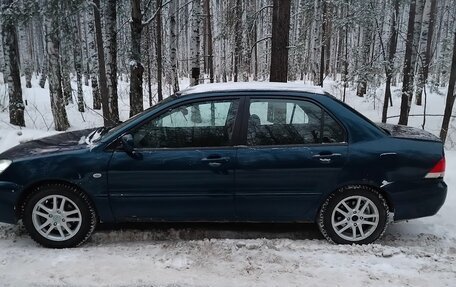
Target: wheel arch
{"x":30,"y":189}
{"x":352,"y":186}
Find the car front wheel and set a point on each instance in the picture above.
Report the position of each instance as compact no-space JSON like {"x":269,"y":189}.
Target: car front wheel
{"x":59,"y":216}
{"x":353,"y":215}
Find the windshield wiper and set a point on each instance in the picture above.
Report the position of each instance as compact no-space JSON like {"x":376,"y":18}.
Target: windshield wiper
{"x":97,"y":134}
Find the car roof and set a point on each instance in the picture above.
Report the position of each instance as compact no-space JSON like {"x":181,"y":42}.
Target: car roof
{"x":252,"y":86}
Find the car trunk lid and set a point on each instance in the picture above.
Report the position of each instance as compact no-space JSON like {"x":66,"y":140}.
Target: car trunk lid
{"x":400,"y":131}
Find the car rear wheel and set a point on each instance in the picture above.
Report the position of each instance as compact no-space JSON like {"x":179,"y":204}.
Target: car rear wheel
{"x":59,"y":216}
{"x":353,"y":215}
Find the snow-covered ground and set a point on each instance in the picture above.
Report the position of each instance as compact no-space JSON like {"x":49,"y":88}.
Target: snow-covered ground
{"x":420,"y":252}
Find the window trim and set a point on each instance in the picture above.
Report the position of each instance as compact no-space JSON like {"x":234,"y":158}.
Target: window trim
{"x":246,"y":114}
{"x":114,"y":145}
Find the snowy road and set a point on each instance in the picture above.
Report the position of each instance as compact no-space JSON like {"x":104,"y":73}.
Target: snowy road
{"x":417,"y":253}
{"x":185,"y":257}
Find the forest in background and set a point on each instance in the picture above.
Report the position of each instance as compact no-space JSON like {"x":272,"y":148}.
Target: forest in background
{"x":154,"y":44}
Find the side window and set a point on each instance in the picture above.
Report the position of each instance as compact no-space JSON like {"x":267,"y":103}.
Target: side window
{"x":202,"y":124}
{"x":332,"y":132}
{"x":285,"y":122}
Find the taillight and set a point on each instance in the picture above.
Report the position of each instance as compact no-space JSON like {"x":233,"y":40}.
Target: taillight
{"x":438,"y":171}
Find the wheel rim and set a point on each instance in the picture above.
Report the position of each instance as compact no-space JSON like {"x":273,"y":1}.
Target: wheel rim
{"x":56,"y":217}
{"x":355,"y":218}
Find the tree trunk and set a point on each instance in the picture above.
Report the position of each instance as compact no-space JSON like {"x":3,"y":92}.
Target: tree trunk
{"x":77,"y":52}
{"x":363,"y":69}
{"x":111,"y":60}
{"x":407,"y":83}
{"x":65,"y":49}
{"x":93,"y":60}
{"x":85,"y":45}
{"x":210,"y":56}
{"x":237,"y":40}
{"x":44,"y":70}
{"x":149,"y":76}
{"x":173,"y":44}
{"x":392,"y":46}
{"x":158,"y":49}
{"x":136,"y":67}
{"x":450,"y":96}
{"x":195,"y":43}
{"x":427,"y":34}
{"x":416,"y":42}
{"x":323,"y":43}
{"x":55,"y":77}
{"x":10,"y":46}
{"x":108,"y":121}
{"x":280,"y":38}
{"x":25,"y":52}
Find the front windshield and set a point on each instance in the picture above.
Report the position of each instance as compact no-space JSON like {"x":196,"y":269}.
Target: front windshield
{"x":108,"y":131}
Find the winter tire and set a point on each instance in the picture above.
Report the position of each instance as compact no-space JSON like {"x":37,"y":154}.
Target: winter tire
{"x":59,"y":216}
{"x":356,"y":215}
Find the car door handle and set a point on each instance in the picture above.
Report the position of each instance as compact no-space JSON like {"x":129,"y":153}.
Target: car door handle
{"x":326,"y":157}
{"x":215,"y":161}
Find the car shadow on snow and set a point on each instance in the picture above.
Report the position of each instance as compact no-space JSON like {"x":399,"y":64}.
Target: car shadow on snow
{"x":199,"y":231}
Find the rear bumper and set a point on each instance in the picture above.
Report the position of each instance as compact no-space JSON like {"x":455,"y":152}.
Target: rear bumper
{"x":8,"y":196}
{"x":416,"y":199}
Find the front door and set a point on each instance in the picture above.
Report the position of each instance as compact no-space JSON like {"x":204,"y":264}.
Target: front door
{"x":184,"y":168}
{"x":294,"y":153}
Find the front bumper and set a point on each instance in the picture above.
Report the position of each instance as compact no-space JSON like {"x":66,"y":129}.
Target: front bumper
{"x":417,"y":198}
{"x":9,"y":193}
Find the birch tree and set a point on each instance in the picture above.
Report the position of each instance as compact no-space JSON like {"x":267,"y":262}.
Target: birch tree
{"x":389,"y":67}
{"x":77,"y":54}
{"x":52,"y":22}
{"x":158,"y":48}
{"x":208,"y":36}
{"x":103,"y":81}
{"x":25,"y":51}
{"x":407,"y":82}
{"x":93,"y":59}
{"x":173,"y":41}
{"x":195,"y":43}
{"x":427,"y":34}
{"x":10,"y":47}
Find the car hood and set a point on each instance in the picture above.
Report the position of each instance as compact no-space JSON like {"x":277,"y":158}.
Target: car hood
{"x":67,"y":141}
{"x":400,"y":131}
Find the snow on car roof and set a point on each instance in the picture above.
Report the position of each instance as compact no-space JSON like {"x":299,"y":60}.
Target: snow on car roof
{"x":253,"y":86}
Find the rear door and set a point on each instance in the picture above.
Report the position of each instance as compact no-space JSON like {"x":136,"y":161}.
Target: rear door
{"x":185,"y":167}
{"x":294,"y":151}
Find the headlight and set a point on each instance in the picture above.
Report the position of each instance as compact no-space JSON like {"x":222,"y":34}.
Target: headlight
{"x":4,"y":163}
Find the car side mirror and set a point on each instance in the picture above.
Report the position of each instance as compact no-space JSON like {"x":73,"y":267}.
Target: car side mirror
{"x":128,"y":146}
